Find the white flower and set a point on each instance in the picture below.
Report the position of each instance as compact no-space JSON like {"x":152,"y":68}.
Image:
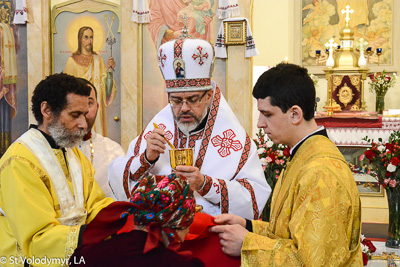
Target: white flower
{"x":280,"y":152}
{"x":261,"y":150}
{"x":270,"y":143}
{"x":264,"y":161}
{"x":391,"y":168}
{"x":381,"y":148}
{"x":364,"y":248}
{"x":362,"y":237}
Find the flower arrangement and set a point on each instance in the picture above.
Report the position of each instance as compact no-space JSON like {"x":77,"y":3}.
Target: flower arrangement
{"x":273,"y":158}
{"x":385,"y":158}
{"x":381,"y":82}
{"x":367,"y":248}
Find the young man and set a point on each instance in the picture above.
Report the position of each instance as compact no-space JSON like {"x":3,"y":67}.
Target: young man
{"x":316,"y":210}
{"x":227,"y":175}
{"x":47,"y":189}
{"x":100,"y":150}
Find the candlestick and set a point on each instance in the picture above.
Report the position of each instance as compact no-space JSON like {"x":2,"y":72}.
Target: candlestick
{"x":318,"y":55}
{"x":369,"y":52}
{"x":379,"y":53}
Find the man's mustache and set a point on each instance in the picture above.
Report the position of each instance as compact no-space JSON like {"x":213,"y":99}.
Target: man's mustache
{"x":185,"y":114}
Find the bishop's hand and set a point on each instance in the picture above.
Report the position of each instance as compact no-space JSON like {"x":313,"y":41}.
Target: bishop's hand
{"x":155,"y":144}
{"x":192,"y":173}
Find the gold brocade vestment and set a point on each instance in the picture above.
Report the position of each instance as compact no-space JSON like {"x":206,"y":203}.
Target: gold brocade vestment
{"x":27,"y":196}
{"x":315,"y":213}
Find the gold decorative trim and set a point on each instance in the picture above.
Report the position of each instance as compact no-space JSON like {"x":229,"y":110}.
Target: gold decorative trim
{"x":235,"y":32}
{"x":72,"y":242}
{"x":337,"y":80}
{"x":345,"y":95}
{"x":277,"y":247}
{"x":355,"y":80}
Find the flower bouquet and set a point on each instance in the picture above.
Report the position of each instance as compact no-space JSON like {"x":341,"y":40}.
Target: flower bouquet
{"x":367,"y":248}
{"x":273,"y":159}
{"x":380,"y":84}
{"x":385,"y":159}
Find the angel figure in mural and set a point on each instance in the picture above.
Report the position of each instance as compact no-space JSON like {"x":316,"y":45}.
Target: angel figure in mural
{"x":312,"y":43}
{"x":166,"y":19}
{"x":86,"y":63}
{"x":316,"y":8}
{"x":8,"y":75}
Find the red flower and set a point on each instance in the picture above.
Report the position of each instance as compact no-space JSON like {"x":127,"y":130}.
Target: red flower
{"x":370,"y":154}
{"x":286,"y":152}
{"x":372,"y":77}
{"x":272,"y":156}
{"x":369,"y":244}
{"x":395,"y":161}
{"x":365,"y":259}
{"x":389,"y":146}
{"x":388,"y":174}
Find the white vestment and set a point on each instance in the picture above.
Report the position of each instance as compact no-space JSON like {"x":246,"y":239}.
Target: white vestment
{"x":223,"y":152}
{"x":105,"y":151}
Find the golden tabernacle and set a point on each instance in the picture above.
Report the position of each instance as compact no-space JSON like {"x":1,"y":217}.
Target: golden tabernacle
{"x":346,"y":78}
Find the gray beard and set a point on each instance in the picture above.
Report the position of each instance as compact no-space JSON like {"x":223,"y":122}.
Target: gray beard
{"x":64,"y":137}
{"x":185,"y":127}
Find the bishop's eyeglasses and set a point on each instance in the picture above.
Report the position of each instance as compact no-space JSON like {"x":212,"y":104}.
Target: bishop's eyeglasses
{"x":191,"y":101}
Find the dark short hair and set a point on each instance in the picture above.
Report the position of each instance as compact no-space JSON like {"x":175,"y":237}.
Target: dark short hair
{"x":87,"y":83}
{"x":287,"y":85}
{"x":54,"y":90}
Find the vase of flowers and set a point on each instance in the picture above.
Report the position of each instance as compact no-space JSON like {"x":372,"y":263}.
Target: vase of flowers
{"x":379,"y":84}
{"x":273,"y":158}
{"x":385,"y":159}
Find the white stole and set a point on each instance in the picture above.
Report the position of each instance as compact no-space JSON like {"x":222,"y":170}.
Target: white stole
{"x":73,"y":211}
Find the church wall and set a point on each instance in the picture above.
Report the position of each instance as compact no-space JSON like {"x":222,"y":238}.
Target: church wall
{"x":274,"y":37}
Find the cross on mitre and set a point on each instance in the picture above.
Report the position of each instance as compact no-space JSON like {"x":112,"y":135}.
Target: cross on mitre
{"x":185,"y":29}
{"x":362,"y":44}
{"x":331,"y":45}
{"x":347,"y":11}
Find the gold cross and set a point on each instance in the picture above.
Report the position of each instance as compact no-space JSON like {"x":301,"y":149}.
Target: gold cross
{"x":9,"y":45}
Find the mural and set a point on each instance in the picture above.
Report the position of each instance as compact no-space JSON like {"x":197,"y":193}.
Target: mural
{"x":13,"y":78}
{"x":322,"y":20}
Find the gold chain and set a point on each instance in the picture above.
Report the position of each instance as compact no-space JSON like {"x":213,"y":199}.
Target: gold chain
{"x":91,"y":150}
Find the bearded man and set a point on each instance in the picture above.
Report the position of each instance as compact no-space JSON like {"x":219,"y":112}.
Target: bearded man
{"x":227,"y":176}
{"x":47,"y":188}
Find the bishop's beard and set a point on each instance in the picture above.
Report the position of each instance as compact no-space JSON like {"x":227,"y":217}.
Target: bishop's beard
{"x":187,"y":127}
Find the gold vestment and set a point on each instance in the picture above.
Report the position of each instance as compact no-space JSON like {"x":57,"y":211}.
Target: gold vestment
{"x":27,"y":197}
{"x":315,"y":213}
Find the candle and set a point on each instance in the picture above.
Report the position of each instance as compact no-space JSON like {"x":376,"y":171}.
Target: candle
{"x":327,"y":50}
{"x":379,"y":50}
{"x":318,"y":52}
{"x":286,"y":60}
{"x":369,"y":49}
{"x":338,"y":47}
